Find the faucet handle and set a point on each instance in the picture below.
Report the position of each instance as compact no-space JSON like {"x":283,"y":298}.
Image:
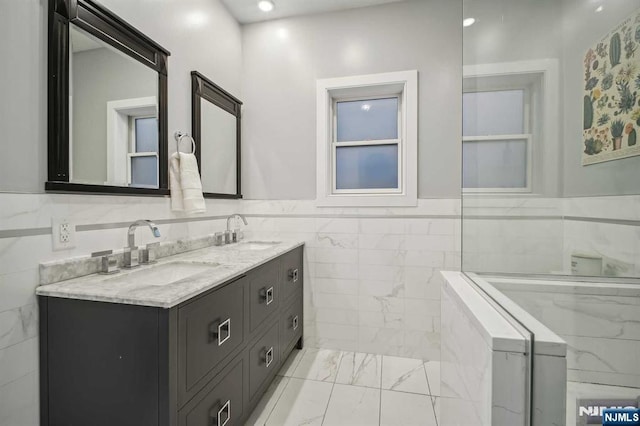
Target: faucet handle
{"x":131,"y":257}
{"x":108,"y":262}
{"x":148,"y":254}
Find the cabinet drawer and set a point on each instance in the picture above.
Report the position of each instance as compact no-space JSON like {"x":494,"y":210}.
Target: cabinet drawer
{"x":222,"y":405}
{"x":291,"y":324}
{"x":264,"y":293}
{"x":291,"y":273}
{"x":264,"y":359}
{"x":210,"y":328}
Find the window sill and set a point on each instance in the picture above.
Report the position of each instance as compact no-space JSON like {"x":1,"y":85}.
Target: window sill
{"x":367,"y":200}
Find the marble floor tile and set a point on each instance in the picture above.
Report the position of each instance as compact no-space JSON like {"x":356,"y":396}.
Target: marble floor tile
{"x":404,"y":375}
{"x":264,"y":408}
{"x":303,"y":402}
{"x":360,"y":369}
{"x":290,"y":364}
{"x":406,"y":409}
{"x":353,"y":406}
{"x":432,"y":368}
{"x":318,"y":364}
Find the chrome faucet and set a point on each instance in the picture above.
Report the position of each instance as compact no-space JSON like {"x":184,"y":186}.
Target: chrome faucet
{"x":131,"y":255}
{"x":229,"y":236}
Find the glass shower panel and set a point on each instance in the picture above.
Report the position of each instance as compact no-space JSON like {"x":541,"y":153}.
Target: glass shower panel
{"x":551,"y":218}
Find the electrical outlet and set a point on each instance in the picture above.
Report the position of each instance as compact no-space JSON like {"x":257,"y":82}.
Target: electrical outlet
{"x":63,"y":234}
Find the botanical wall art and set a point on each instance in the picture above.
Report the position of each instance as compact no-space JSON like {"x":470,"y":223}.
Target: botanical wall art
{"x":612,"y":95}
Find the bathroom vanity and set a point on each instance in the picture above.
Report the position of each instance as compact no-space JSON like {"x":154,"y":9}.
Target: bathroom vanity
{"x":193,"y":340}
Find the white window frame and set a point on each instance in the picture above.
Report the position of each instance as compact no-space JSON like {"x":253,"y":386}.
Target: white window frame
{"x":545,"y":108}
{"x":404,"y":85}
{"x":525,"y":136}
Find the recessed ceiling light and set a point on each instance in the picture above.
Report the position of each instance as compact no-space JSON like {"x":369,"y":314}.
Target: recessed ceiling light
{"x":600,"y":8}
{"x":266,"y":5}
{"x":468,"y":22}
{"x":365,"y":107}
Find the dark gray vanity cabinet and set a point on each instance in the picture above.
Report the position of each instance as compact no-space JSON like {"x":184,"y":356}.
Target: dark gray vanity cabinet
{"x":205,"y":362}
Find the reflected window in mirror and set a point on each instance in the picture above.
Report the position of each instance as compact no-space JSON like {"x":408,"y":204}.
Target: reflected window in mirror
{"x":216,"y":131}
{"x":113,"y":138}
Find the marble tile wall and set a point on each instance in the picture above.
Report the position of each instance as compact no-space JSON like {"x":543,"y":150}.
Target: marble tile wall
{"x":512,"y":235}
{"x":618,"y":242}
{"x":371,"y":275}
{"x":602,"y":333}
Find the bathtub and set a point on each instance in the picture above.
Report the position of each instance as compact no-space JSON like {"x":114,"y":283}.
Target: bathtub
{"x":500,"y":366}
{"x":579,"y":335}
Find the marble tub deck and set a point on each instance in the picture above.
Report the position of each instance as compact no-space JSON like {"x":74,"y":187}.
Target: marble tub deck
{"x":330,"y":388}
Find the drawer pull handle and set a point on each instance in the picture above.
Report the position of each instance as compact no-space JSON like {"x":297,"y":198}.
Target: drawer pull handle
{"x":295,"y":323}
{"x":222,"y":332}
{"x":293,"y":275}
{"x":267,"y":295}
{"x":222,"y":417}
{"x":268,"y":358}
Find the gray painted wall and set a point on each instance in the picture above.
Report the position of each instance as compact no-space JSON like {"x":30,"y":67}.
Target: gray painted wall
{"x":284,"y":58}
{"x":99,"y":76}
{"x":583,"y":27}
{"x":177,"y":25}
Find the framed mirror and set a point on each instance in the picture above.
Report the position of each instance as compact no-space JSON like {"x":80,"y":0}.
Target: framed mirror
{"x":215,"y":126}
{"x":107,"y":107}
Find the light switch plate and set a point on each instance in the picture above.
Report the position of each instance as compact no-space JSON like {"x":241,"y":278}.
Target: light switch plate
{"x":63,"y":234}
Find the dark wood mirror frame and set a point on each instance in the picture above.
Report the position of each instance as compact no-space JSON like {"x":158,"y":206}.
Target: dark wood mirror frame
{"x":105,"y":25}
{"x":203,"y":88}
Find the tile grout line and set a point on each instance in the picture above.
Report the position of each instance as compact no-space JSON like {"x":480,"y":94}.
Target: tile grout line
{"x":431,"y":396}
{"x":380,"y":399}
{"x":266,"y":420}
{"x":333,"y":385}
{"x":285,"y":387}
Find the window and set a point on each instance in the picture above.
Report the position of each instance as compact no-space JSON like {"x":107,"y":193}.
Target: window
{"x":496,"y":141}
{"x":367,"y":140}
{"x":132,"y":143}
{"x":511,"y":128}
{"x":142,"y":158}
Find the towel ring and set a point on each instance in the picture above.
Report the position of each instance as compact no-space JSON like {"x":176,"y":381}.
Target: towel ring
{"x":179,"y":135}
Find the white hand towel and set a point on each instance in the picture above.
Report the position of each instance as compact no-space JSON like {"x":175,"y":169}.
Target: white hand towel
{"x":174,"y":183}
{"x":192,"y":198}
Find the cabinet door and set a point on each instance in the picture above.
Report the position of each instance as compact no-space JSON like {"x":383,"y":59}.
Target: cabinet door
{"x":222,"y":405}
{"x":291,"y":273}
{"x":264,"y":359}
{"x":290,"y":325}
{"x":210,"y":328}
{"x":264,"y":293}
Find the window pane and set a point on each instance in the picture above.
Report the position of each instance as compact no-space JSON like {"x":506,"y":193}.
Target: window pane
{"x":367,"y":167}
{"x":374,"y":119}
{"x":146,"y":134}
{"x":493,"y":113}
{"x":494,"y":164}
{"x":144,"y":171}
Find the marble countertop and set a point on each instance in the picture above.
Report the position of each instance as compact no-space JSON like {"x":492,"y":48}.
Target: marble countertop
{"x":211,"y":267}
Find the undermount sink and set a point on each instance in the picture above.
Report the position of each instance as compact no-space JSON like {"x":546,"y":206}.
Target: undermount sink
{"x":164,"y":274}
{"x":255,"y":245}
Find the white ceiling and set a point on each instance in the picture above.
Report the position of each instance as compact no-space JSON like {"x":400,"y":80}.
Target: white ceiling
{"x":246,"y":11}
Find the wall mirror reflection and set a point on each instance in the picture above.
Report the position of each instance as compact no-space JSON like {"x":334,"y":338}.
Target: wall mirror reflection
{"x":107,"y":103}
{"x":113,"y":109}
{"x":216,"y":130}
